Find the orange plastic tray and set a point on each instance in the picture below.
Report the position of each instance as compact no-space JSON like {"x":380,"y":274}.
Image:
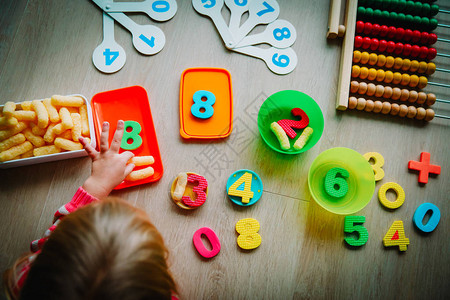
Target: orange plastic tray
{"x":216,"y":81}
{"x":129,"y":104}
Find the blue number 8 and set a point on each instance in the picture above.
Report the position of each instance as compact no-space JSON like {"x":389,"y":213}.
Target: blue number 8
{"x":240,"y":2}
{"x":206,"y":105}
{"x":212,"y":3}
{"x":281,"y":33}
{"x":283,"y":60}
{"x":157,"y":6}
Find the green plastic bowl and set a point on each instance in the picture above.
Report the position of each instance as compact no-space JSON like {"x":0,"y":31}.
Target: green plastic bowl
{"x":361,"y":180}
{"x":278,"y":107}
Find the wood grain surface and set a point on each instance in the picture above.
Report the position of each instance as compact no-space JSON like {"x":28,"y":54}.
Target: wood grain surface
{"x":46,"y":48}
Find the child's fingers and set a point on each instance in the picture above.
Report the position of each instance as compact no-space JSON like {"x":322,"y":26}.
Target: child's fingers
{"x":104,"y":137}
{"x":127,"y":155}
{"x":117,"y":139}
{"x":88,"y":148}
{"x":128,"y":169}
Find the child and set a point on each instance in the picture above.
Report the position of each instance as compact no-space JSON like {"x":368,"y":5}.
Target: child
{"x":98,"y":247}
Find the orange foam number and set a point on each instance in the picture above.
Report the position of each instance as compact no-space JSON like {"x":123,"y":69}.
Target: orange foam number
{"x":288,"y":125}
{"x":199,"y":190}
{"x":245,"y":194}
{"x":396,"y":236}
{"x":248,"y":237}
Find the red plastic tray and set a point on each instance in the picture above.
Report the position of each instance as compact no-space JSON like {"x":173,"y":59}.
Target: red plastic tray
{"x":129,"y":104}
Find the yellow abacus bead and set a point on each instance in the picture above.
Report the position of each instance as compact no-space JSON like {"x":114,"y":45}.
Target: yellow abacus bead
{"x":361,"y":104}
{"x":372,"y":74}
{"x":397,"y":78}
{"x":381,"y":60}
{"x":422,"y":67}
{"x":431,"y":99}
{"x":352,"y":101}
{"x":421,"y":113}
{"x":414,"y":81}
{"x":421,"y":98}
{"x":389,"y":62}
{"x":354,"y":85}
{"x":369,"y":106}
{"x":380,"y":75}
{"x":362,"y":88}
{"x":371,"y":88}
{"x":414,"y":66}
{"x":395,"y":109}
{"x":365,"y":72}
{"x":356,"y":70}
{"x":403,"y":110}
{"x":423,"y":81}
{"x":412,"y":112}
{"x":396,"y":93}
{"x":406,"y":64}
{"x":405,"y":95}
{"x":429,"y":114}
{"x":386,"y":108}
{"x":405,"y":79}
{"x":356,"y":56}
{"x":377,"y":105}
{"x":431,"y":68}
{"x":373,"y":59}
{"x":388,"y":76}
{"x":413,"y":95}
{"x":387,"y":92}
{"x":364,"y":58}
{"x":379,"y":91}
{"x":398,"y":63}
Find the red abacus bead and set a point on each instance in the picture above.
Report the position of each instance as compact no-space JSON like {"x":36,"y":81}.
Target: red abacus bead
{"x":391,"y":32}
{"x":359,"y":26}
{"x":407,"y":48}
{"x":382,"y":45}
{"x":415,"y":51}
{"x":423,"y":52}
{"x":358,"y":41}
{"x":398,"y":48}
{"x":408,"y":35}
{"x":416,"y":36}
{"x":384,"y":30}
{"x":367,"y":28}
{"x":374,"y":45}
{"x":399,"y":33}
{"x":375,"y":29}
{"x":432,"y":38}
{"x":366,"y":42}
{"x":431,"y":53}
{"x":424,"y":36}
{"x":390,"y":47}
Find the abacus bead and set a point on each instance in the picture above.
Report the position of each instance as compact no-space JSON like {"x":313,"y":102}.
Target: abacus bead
{"x":423,"y":81}
{"x":396,"y":93}
{"x":408,"y":35}
{"x":373,"y":59}
{"x":401,"y":18}
{"x":431,"y":68}
{"x":421,"y":113}
{"x":380,"y":75}
{"x":405,"y":79}
{"x":364,"y":58}
{"x":390,"y":47}
{"x":406,"y":64}
{"x":361,"y":104}
{"x":374,"y":44}
{"x":433,"y":25}
{"x":434,"y":9}
{"x":416,"y":7}
{"x":407,"y":48}
{"x":362,"y":88}
{"x":422,"y":67}
{"x":356,"y":56}
{"x":431,"y":53}
{"x":371,"y":88}
{"x":418,"y":20}
{"x":366,"y":42}
{"x":401,"y":5}
{"x":372,"y":74}
{"x":369,"y":106}
{"x":413,"y":95}
{"x":414,"y":81}
{"x":387,"y":92}
{"x":361,"y":11}
{"x":398,"y":63}
{"x":414,"y":65}
{"x":415,"y":36}
{"x":393,"y":16}
{"x":429,"y":114}
{"x":384,"y":30}
{"x":388,"y":76}
{"x":389,"y":62}
{"x":399,"y":33}
{"x":424,"y":22}
{"x":431,"y":99}
{"x":352,"y":101}
{"x":379,"y":91}
{"x":359,"y":26}
{"x":421,"y":98}
{"x":412,"y":112}
{"x":432,"y":38}
{"x":381,"y":60}
{"x":354,"y":86}
{"x":376,"y":29}
{"x":409,"y":19}
{"x":397,"y":78}
{"x":398,"y":48}
{"x":395,"y":108}
{"x":393,"y":4}
{"x":423,"y":52}
{"x":405,"y":95}
{"x":391,"y":32}
{"x":377,"y":105}
{"x":358,"y":41}
{"x":382,"y":45}
{"x":369,"y":12}
{"x":356,"y":70}
{"x":415,"y":51}
{"x":365,"y":72}
{"x":424,"y":36}
{"x":425,"y":8}
{"x":403,"y":110}
{"x":385,"y":14}
{"x":386,"y":108}
{"x":367,"y":28}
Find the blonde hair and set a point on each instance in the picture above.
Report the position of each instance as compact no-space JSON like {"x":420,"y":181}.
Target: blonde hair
{"x":106,"y":250}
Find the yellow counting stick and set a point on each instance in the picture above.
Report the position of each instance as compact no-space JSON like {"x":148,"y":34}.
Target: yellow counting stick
{"x":36,"y":140}
{"x":36,"y":130}
{"x":84,"y":121}
{"x":8,"y":121}
{"x":26,"y":105}
{"x":12,"y":141}
{"x":52,"y":111}
{"x":6,"y":133}
{"x":180,"y":187}
{"x":66,"y":120}
{"x":76,"y":129}
{"x":142,"y":160}
{"x":248,"y":237}
{"x":140,"y":174}
{"x":15,"y":151}
{"x":9,"y":109}
{"x":66,"y":135}
{"x":74,"y":101}
{"x":58,"y":129}
{"x":49,"y":135}
{"x":41,"y":113}
{"x":25,"y":115}
{"x":27,"y":154}
{"x":281,"y":136}
{"x":303,"y":139}
{"x":45,"y":150}
{"x":67,"y":144}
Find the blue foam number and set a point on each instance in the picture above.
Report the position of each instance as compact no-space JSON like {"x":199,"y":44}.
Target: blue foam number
{"x":211,"y":4}
{"x":282,"y":61}
{"x":267,"y":10}
{"x":160,"y":6}
{"x":281,"y":33}
{"x":241,"y":2}
{"x":206,"y":105}
{"x":420,"y":213}
{"x":110,"y":56}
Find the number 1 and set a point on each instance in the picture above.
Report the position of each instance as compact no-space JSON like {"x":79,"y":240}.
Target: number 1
{"x":267,"y":10}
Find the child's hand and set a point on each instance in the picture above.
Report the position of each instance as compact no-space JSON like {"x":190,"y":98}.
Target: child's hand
{"x":109,"y":168}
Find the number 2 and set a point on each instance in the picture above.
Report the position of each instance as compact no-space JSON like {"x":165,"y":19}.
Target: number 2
{"x":247,"y":193}
{"x":110,"y":56}
{"x":200,"y":190}
{"x":267,"y":10}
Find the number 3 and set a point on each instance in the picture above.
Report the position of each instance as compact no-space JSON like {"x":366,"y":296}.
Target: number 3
{"x":200,"y":190}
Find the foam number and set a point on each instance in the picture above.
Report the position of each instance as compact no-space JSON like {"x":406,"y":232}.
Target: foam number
{"x":350,"y":227}
{"x":289,"y":125}
{"x":248,"y":233}
{"x":420,"y":213}
{"x":396,"y":236}
{"x":203,"y":109}
{"x":213,"y":240}
{"x":245,"y":194}
{"x":397,"y":189}
{"x":378,"y":163}
{"x":200,"y":190}
{"x":335,"y":183}
{"x":131,"y":139}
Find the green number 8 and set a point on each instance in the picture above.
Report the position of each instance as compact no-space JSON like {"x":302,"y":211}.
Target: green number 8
{"x":133,"y":136}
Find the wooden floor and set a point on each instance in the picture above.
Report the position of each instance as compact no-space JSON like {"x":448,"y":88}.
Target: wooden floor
{"x":46,"y":48}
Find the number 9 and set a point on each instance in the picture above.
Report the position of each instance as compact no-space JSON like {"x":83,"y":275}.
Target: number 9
{"x":240,"y":2}
{"x":211,"y":4}
{"x":283,"y":60}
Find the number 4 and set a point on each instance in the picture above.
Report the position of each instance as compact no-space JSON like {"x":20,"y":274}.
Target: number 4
{"x":245,"y":194}
{"x":396,"y":236}
{"x":350,"y":227}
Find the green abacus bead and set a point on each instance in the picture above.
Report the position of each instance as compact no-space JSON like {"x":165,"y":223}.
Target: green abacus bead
{"x":377,"y":13}
{"x":401,"y":17}
{"x":422,"y":7}
{"x":410,"y":6}
{"x":401,"y":6}
{"x":369,"y":12}
{"x":425,"y":22}
{"x":385,"y":15}
{"x":433,"y":24}
{"x":409,"y":19}
{"x":393,"y":16}
{"x":434,"y":9}
{"x":394,"y":4}
{"x":361,"y":11}
{"x":417,"y":21}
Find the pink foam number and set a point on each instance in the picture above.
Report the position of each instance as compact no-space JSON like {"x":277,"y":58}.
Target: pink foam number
{"x":424,"y":167}
{"x":199,"y":190}
{"x":288,"y":125}
{"x":213,"y":239}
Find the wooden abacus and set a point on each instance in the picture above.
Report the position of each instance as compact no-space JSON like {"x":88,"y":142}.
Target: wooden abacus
{"x":400,"y":58}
